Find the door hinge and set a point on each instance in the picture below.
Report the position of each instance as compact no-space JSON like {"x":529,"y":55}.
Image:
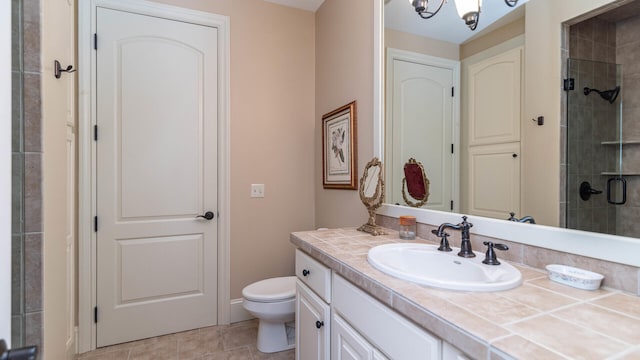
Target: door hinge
{"x":95,"y":314}
{"x":452,"y":91}
{"x":95,"y":41}
{"x":95,"y":224}
{"x":569,"y":84}
{"x":451,"y":204}
{"x":95,"y":132}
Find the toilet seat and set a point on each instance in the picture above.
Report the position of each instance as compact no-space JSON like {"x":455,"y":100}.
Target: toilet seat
{"x":271,"y":290}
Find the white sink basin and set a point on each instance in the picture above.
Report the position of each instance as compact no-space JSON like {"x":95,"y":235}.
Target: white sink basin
{"x":424,"y":264}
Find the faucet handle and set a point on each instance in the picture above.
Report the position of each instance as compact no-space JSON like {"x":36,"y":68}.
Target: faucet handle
{"x":490,"y":257}
{"x":465,"y":224}
{"x":444,"y":242}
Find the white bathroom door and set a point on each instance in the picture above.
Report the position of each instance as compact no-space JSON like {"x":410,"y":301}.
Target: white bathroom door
{"x":421,"y":127}
{"x":156,"y":172}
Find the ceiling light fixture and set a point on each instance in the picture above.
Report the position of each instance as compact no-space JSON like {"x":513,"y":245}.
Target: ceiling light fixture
{"x":468,"y":10}
{"x":422,"y":8}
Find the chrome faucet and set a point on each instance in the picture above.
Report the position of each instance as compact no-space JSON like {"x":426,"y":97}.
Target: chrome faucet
{"x":525,"y":219}
{"x":464,"y":226}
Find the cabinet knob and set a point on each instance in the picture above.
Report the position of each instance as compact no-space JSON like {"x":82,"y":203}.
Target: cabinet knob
{"x":305,"y":272}
{"x":319,"y":324}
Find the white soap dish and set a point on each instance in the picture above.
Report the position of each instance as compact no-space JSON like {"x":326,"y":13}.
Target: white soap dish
{"x":578,"y":278}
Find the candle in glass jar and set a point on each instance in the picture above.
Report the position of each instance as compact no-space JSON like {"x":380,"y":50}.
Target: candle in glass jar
{"x":407,"y":227}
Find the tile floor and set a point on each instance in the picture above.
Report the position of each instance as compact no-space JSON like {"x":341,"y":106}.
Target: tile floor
{"x":223,"y":342}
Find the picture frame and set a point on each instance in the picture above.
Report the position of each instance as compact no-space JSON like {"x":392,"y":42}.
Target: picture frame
{"x":339,"y":148}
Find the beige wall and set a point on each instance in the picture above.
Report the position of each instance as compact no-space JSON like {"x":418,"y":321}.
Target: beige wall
{"x":272,"y":129}
{"x":494,"y":38}
{"x":58,"y":42}
{"x":272,"y":136}
{"x":420,"y":44}
{"x":543,"y":76}
{"x":344,"y":68}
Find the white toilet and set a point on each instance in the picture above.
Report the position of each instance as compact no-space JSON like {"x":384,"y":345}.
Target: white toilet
{"x":273,"y":302}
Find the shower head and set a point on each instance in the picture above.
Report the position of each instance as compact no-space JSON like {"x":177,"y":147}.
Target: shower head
{"x":609,"y":95}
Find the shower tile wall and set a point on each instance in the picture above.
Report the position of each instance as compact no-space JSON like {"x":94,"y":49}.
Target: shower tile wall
{"x":27,"y":226}
{"x":628,"y":46}
{"x":613,"y":37}
{"x":591,"y":120}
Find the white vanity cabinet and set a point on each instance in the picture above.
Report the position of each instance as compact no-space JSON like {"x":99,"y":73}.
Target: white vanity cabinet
{"x":385,"y":331}
{"x":348,"y":344}
{"x":336,"y":320}
{"x":313,"y":322}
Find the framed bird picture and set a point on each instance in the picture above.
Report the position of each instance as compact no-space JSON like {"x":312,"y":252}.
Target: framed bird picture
{"x":339,"y":148}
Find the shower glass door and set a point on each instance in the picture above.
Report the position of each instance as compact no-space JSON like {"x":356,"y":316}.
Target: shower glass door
{"x":598,"y":180}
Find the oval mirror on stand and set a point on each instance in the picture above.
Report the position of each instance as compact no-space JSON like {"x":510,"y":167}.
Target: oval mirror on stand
{"x":372,"y":195}
{"x":417,"y":183}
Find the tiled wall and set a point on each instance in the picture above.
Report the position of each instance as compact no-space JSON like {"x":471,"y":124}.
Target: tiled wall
{"x":27,"y":226}
{"x":612,"y":42}
{"x":590,"y":121}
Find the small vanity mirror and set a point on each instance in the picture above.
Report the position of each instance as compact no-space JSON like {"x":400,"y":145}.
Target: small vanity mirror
{"x":372,"y":195}
{"x":416,"y":183}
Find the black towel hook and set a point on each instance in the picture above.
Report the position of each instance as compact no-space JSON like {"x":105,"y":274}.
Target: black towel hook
{"x":58,"y":70}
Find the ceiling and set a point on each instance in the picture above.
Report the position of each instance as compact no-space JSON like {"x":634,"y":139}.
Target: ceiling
{"x":445,"y":26}
{"x":310,"y":5}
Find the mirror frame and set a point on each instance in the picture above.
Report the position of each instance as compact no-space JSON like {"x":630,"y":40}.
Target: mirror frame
{"x":424,"y":186}
{"x":618,"y":249}
{"x":373,"y":202}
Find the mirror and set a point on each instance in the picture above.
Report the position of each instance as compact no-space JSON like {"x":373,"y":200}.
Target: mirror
{"x":550,"y":141}
{"x":372,"y":195}
{"x":416,"y":183}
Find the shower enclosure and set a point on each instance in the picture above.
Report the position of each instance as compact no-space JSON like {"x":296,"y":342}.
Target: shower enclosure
{"x":602,"y":160}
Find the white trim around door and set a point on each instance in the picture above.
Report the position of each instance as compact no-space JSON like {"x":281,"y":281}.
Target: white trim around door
{"x":87,"y":152}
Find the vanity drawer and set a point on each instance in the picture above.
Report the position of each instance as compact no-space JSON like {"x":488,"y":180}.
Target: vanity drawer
{"x":385,"y":329}
{"x":313,"y":274}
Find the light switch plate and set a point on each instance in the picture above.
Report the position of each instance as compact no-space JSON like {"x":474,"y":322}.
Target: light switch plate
{"x":257,"y":190}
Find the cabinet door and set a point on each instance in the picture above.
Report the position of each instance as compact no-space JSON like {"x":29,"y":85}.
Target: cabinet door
{"x":377,"y":355}
{"x":347,"y":343}
{"x":312,"y":325}
{"x":494,"y":180}
{"x":494,"y":99}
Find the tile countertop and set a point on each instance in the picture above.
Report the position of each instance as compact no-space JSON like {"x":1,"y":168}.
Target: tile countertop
{"x":540,"y":319}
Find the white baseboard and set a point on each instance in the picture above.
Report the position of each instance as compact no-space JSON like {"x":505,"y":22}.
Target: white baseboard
{"x":72,"y":345}
{"x":237,"y":312}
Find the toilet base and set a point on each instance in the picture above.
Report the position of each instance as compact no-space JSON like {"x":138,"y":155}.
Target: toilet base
{"x":272,"y":337}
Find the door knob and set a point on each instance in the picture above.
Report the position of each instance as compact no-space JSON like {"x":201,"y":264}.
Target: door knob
{"x":207,"y":216}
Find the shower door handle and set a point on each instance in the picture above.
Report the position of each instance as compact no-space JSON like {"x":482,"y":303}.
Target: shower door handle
{"x":624,"y":190}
